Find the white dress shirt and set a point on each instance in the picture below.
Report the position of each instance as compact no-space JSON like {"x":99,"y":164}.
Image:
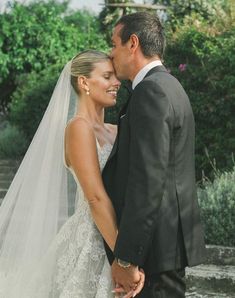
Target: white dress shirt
{"x":142,"y":73}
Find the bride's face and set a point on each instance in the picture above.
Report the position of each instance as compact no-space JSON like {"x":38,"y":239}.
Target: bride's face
{"x":103,"y":84}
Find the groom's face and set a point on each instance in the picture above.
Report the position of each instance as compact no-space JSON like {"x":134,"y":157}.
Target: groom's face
{"x":120,"y":54}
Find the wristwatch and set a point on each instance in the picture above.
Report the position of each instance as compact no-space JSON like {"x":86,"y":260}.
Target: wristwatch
{"x":123,"y":264}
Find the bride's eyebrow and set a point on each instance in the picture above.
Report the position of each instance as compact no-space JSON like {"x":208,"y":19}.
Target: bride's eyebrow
{"x":108,"y":72}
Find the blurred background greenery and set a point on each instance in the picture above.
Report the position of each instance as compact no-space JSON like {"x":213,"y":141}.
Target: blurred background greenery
{"x":38,"y":38}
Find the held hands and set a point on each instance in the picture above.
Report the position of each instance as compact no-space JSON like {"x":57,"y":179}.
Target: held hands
{"x":129,"y":280}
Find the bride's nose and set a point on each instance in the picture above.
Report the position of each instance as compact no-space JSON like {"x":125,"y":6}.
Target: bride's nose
{"x":116,"y":83}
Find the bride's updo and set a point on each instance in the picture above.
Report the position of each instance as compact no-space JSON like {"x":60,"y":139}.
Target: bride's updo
{"x":83,"y":64}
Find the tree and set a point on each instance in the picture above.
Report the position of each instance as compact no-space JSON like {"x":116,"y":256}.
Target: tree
{"x":40,"y":34}
{"x":109,"y":15}
{"x":207,"y":9}
{"x":202,"y":57}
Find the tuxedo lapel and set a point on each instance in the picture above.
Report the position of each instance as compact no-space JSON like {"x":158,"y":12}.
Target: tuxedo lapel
{"x":128,"y":86}
{"x":114,"y":149}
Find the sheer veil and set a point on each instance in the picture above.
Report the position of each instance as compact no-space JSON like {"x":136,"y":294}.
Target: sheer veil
{"x":36,"y":204}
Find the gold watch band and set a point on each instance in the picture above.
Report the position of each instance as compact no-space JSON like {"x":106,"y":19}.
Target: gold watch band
{"x":123,"y":264}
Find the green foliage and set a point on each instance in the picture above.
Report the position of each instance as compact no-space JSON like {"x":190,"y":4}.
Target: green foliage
{"x":33,"y":37}
{"x":209,"y":10}
{"x":37,"y":35}
{"x":204,"y":62}
{"x":13,"y":143}
{"x":110,"y":15}
{"x":217,"y":202}
{"x":88,"y":26}
{"x":31,"y":98}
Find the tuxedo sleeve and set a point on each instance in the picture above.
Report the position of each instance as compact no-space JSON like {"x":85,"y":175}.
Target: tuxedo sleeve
{"x":150,"y":133}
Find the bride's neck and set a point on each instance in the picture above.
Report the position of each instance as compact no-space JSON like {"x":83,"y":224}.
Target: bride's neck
{"x":93,"y":113}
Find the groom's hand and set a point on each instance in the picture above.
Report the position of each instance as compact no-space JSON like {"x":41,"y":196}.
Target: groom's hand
{"x":127,"y":278}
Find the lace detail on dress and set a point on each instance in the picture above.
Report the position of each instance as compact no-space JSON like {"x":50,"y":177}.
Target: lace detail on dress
{"x":76,"y":265}
{"x":103,"y":154}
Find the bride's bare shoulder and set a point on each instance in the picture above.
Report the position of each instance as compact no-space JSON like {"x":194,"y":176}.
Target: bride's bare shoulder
{"x":79,"y":127}
{"x":78,"y":120}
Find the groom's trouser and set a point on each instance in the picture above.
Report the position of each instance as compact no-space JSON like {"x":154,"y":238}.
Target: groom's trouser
{"x":168,"y":284}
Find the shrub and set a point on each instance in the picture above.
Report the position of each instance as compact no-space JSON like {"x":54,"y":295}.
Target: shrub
{"x":31,"y":98}
{"x":40,"y":34}
{"x":211,"y":11}
{"x":204,"y":62}
{"x":217,"y":202}
{"x":13,"y":142}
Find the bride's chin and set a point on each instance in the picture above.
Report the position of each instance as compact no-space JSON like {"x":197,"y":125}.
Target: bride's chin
{"x":112,"y":103}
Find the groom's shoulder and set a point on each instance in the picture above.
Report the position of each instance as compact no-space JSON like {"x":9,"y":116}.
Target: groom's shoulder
{"x":162,"y":79}
{"x":158,"y":79}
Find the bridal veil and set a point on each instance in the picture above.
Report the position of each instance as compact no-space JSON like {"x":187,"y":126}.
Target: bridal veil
{"x":36,"y":204}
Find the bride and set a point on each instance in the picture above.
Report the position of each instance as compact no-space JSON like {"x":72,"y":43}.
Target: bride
{"x":43,"y":252}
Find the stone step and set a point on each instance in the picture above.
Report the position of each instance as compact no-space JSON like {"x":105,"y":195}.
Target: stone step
{"x":5,"y":184}
{"x":220,"y":255}
{"x":212,"y":278}
{"x":3,"y":192}
{"x":8,"y":169}
{"x":194,"y":293}
{"x":6,"y":176}
{"x":9,"y":162}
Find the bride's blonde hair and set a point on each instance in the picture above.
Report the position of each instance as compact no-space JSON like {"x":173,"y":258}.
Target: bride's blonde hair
{"x":83,"y":64}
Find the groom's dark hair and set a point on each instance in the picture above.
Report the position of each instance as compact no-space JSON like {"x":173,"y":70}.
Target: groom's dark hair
{"x":149,"y":30}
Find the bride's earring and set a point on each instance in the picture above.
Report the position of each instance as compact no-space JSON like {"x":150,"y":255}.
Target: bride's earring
{"x":88,"y":92}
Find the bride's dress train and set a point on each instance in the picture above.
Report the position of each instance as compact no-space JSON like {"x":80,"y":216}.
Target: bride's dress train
{"x":75,"y":266}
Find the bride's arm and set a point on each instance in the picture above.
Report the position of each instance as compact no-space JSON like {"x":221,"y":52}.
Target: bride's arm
{"x":81,"y":155}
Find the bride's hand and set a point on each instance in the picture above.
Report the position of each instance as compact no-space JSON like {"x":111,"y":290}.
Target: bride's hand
{"x":137,"y":290}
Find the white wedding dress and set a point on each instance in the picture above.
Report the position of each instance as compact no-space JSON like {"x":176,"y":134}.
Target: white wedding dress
{"x":75,"y":266}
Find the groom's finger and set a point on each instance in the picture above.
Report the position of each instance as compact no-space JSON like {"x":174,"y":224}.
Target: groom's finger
{"x":140,"y":284}
{"x":129,"y":295}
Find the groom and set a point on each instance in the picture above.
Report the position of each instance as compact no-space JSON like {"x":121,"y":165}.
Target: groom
{"x":150,"y":173}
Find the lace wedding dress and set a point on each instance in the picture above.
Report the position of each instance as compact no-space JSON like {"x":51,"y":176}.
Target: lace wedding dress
{"x":76,"y":265}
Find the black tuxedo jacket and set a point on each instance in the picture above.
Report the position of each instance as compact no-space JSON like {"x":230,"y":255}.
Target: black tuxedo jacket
{"x":150,"y":178}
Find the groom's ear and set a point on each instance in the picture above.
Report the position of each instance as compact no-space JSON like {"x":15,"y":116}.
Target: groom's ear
{"x":134,"y":42}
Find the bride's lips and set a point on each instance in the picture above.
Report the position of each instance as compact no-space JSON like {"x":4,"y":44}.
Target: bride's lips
{"x":113,"y":92}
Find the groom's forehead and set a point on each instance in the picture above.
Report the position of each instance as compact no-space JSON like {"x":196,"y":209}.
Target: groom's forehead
{"x":116,"y":31}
